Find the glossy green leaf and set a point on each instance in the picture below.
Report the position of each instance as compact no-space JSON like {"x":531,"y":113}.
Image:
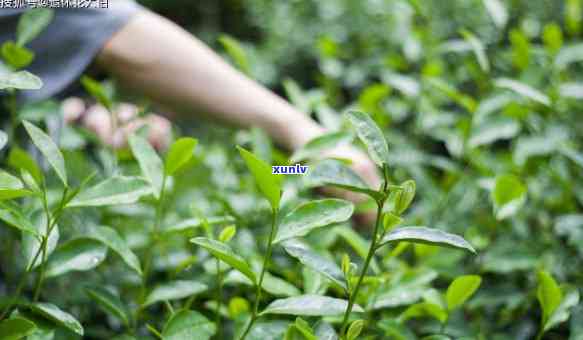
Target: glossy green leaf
{"x":316,"y":147}
{"x":49,"y":149}
{"x":224,"y":253}
{"x":56,"y":315}
{"x":371,"y":135}
{"x":355,"y":329}
{"x":111,"y":238}
{"x":19,"y":159}
{"x":16,"y":56}
{"x":461,"y":289}
{"x":563,"y":311}
{"x":300,"y":330}
{"x":316,"y":262}
{"x":188,"y":325}
{"x":12,"y":215}
{"x":268,"y":330}
{"x":271,"y":284}
{"x":109,"y":302}
{"x":426,"y":236}
{"x":402,"y":198}
{"x":174,"y":290}
{"x":508,"y":196}
{"x":523,"y":90}
{"x":425,"y":309}
{"x":268,"y":183}
{"x":112,"y":191}
{"x":568,"y":55}
{"x":334,"y":173}
{"x":149,"y":161}
{"x":309,"y":305}
{"x":390,"y":221}
{"x":520,"y":49}
{"x":179,"y":154}
{"x":21,"y":80}
{"x":549,"y":295}
{"x":497,"y":12}
{"x":191,"y":224}
{"x":32,"y":23}
{"x":311,"y":215}
{"x":11,"y":187}
{"x":478,"y":48}
{"x":76,"y":255}
{"x":325,"y":331}
{"x":553,"y":37}
{"x":16,"y":328}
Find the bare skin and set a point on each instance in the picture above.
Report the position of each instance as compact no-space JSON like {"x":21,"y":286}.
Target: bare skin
{"x":157,"y":58}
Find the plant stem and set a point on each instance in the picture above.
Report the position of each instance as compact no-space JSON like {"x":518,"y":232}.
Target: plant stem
{"x":352,"y":297}
{"x":51,"y":224}
{"x":219,"y":299}
{"x":255,"y":311}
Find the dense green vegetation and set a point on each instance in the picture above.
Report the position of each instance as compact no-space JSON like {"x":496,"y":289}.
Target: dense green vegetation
{"x":470,"y":109}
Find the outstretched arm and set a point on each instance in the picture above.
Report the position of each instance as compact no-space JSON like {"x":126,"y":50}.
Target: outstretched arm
{"x":158,"y":58}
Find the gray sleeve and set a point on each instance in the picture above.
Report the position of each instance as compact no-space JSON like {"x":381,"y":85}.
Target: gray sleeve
{"x":69,"y":44}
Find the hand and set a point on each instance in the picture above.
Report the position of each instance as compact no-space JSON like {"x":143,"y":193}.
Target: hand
{"x":98,"y":120}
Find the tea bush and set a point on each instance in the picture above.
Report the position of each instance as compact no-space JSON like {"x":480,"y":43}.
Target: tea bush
{"x":468,"y":108}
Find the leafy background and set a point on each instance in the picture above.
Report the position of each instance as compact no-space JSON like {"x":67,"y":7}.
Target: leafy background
{"x":480,"y":104}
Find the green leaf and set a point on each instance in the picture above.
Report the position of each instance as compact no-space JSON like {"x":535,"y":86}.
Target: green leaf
{"x":268,"y":183}
{"x":553,"y":37}
{"x":300,"y":330}
{"x":227,"y":233}
{"x":492,"y":131}
{"x":188,"y":325}
{"x":549,"y":295}
{"x":563,"y":311}
{"x":311,"y":215}
{"x":21,"y":80}
{"x":97,"y":91}
{"x":520,"y":49}
{"x":32,"y":23}
{"x":355,"y":329}
{"x":426,"y":236}
{"x":53,"y":313}
{"x":16,"y":328}
{"x":508,"y":195}
{"x":180,"y":153}
{"x":325,"y":331}
{"x":317,"y":146}
{"x":224,"y":253}
{"x":573,"y":16}
{"x":424,"y":309}
{"x":174,"y":290}
{"x":569,"y":55}
{"x":109,"y":302}
{"x":49,"y":149}
{"x":371,"y":135}
{"x":478,"y":48}
{"x":309,"y":305}
{"x":112,"y":191}
{"x":497,"y":12}
{"x":113,"y":241}
{"x":19,"y":159}
{"x":191,"y":224}
{"x":268,"y":330}
{"x":390,"y":221}
{"x":11,"y":187}
{"x":334,"y":173}
{"x":3,"y":139}
{"x":16,"y":56}
{"x":400,"y":199}
{"x":236,"y":52}
{"x":523,"y":90}
{"x":316,"y":262}
{"x":12,"y":215}
{"x":150,"y":162}
{"x":461,"y":289}
{"x":271,"y":284}
{"x":76,"y":255}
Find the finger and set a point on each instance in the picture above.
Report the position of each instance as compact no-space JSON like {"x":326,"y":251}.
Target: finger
{"x":72,"y":109}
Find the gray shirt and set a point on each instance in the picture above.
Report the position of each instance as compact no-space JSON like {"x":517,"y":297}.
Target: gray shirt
{"x":69,"y":44}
